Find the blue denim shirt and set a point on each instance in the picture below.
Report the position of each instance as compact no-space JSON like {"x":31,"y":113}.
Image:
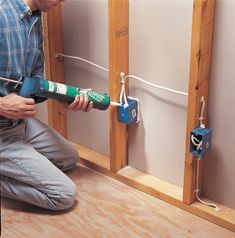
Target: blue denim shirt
{"x":21,"y":43}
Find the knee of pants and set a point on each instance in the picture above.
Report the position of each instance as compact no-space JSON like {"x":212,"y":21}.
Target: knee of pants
{"x":72,"y":159}
{"x":66,"y":160}
{"x":66,"y":199}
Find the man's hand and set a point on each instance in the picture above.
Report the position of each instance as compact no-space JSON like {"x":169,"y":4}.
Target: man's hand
{"x":13,"y":106}
{"x":81,"y":103}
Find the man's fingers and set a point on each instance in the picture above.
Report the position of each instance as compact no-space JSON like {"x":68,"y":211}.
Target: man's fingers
{"x":85,"y":103}
{"x":72,"y":105}
{"x":81,"y":102}
{"x":28,"y":114}
{"x":29,"y":101}
{"x":89,"y":106}
{"x":29,"y":108}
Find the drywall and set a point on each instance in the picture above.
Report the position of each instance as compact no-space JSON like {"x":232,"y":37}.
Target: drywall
{"x":219,"y":182}
{"x":160,"y":37}
{"x":85,"y":27}
{"x":42,"y":112}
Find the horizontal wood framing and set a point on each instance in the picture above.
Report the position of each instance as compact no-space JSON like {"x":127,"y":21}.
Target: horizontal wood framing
{"x":157,"y":188}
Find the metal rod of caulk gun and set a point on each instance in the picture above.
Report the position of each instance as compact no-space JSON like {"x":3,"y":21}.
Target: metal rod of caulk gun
{"x":10,"y":80}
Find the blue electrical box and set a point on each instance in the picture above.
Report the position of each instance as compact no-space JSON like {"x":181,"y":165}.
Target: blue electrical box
{"x":200,"y":141}
{"x":128,"y":114}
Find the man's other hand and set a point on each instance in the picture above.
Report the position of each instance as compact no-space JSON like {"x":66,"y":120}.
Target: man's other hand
{"x":13,"y":106}
{"x":81,"y":103}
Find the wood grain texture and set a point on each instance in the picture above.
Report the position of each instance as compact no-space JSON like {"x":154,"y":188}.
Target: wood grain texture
{"x":157,"y":188}
{"x":54,"y":68}
{"x":201,"y":47}
{"x":106,"y":208}
{"x":118,"y":62}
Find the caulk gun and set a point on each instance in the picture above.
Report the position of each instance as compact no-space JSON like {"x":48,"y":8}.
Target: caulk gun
{"x":39,"y":88}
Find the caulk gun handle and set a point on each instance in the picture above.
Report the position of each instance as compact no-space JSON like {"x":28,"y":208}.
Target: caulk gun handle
{"x":30,"y":88}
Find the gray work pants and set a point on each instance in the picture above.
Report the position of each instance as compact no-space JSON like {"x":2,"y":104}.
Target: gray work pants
{"x":32,"y":158}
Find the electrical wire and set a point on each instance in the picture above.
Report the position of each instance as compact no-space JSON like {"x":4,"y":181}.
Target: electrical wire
{"x":123,"y":91}
{"x":198,"y":143}
{"x":203,"y":101}
{"x":127,"y":76}
{"x":155,"y":85}
{"x":197,"y":189}
{"x":84,"y":60}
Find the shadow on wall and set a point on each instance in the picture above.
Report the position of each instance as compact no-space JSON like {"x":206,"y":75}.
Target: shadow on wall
{"x":137,"y":142}
{"x":216,"y":176}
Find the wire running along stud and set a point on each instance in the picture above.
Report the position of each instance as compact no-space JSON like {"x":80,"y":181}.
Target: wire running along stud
{"x":202,"y":111}
{"x":123,"y":91}
{"x":200,"y":140}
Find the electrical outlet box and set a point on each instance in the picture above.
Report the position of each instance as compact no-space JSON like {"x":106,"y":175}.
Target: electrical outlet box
{"x":129,"y":114}
{"x":202,"y":136}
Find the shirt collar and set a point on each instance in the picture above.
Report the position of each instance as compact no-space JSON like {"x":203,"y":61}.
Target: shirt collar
{"x":21,"y":7}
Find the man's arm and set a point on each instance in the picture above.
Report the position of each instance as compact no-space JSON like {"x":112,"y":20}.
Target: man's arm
{"x":13,"y":106}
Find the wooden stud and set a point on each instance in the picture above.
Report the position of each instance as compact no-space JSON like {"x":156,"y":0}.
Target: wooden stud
{"x":54,"y":68}
{"x":202,"y":31}
{"x":118,"y":62}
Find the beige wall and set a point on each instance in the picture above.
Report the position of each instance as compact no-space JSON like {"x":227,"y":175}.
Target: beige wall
{"x":42,"y":113}
{"x":159,"y":53}
{"x":219,"y":182}
{"x":85,"y":26}
{"x":160,"y":32}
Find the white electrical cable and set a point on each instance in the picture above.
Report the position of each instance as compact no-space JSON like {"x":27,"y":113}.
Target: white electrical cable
{"x":202,"y":110}
{"x":198,"y":145}
{"x":155,"y":85}
{"x":123,"y":91}
{"x":193,"y":139}
{"x":197,"y":189}
{"x":79,"y":58}
{"x":127,"y":76}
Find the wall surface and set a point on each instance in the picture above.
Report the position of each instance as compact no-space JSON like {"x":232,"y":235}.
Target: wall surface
{"x":42,"y":113}
{"x":85,"y":27}
{"x":160,"y":32}
{"x":219,"y":182}
{"x":160,"y":37}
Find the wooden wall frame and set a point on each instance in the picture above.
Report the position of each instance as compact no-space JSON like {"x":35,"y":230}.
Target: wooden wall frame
{"x":117,"y":165}
{"x":118,"y":62}
{"x":200,"y":61}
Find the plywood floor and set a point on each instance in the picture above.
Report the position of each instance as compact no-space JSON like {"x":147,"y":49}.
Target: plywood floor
{"x":106,"y":208}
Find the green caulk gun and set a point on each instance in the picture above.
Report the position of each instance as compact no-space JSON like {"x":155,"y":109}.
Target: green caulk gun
{"x":41,"y":89}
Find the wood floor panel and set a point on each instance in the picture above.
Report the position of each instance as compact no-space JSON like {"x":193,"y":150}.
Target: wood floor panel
{"x":106,"y":208}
